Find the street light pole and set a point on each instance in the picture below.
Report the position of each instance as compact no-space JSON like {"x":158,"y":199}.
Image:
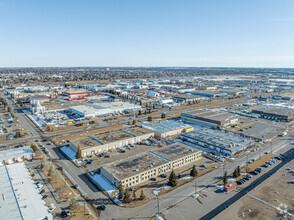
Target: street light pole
{"x":157,"y":205}
{"x":196,"y":186}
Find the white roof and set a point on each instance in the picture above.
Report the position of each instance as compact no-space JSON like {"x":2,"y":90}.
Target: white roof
{"x":20,"y":198}
{"x":104,"y":108}
{"x":15,"y":153}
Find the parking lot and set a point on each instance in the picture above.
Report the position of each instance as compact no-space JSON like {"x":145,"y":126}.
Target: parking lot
{"x":9,"y":128}
{"x":266,"y":200}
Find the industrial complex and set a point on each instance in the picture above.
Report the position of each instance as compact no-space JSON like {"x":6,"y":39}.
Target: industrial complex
{"x":103,"y":109}
{"x":210,"y":118}
{"x":272,"y":112}
{"x":217,"y":141}
{"x":106,"y":141}
{"x":140,"y":168}
{"x":19,"y":196}
{"x":167,"y":128}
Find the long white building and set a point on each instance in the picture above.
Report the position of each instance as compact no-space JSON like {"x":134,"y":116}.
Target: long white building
{"x":103,"y":108}
{"x":20,"y":198}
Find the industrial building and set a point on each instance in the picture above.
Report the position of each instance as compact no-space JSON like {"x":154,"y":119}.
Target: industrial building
{"x":209,"y":93}
{"x":141,"y":167}
{"x":16,"y":155}
{"x":110,"y":140}
{"x":217,"y":141}
{"x":19,"y":197}
{"x":272,"y":112}
{"x":167,"y":128}
{"x":103,"y":108}
{"x":187,"y":98}
{"x":210,"y":118}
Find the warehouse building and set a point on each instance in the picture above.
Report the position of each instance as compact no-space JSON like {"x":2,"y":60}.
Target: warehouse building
{"x":109,"y":140}
{"x":16,"y":155}
{"x":167,"y":128}
{"x":103,"y":108}
{"x":19,"y":196}
{"x":217,"y":141}
{"x":187,"y":98}
{"x":275,"y":113}
{"x":141,"y":167}
{"x":215,"y":119}
{"x":209,"y":93}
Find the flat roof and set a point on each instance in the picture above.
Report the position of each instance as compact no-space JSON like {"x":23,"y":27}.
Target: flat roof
{"x":109,"y":137}
{"x":220,"y":138}
{"x":105,"y":107}
{"x":215,"y":115}
{"x":272,"y":109}
{"x":165,"y":126}
{"x":86,"y":142}
{"x":20,"y":198}
{"x":138,"y":163}
{"x":15,"y":152}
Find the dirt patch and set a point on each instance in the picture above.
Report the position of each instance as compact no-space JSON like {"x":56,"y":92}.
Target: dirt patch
{"x":258,"y":163}
{"x":276,"y":190}
{"x":56,"y":181}
{"x":80,"y":213}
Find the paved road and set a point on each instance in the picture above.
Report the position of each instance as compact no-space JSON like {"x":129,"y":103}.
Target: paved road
{"x":36,"y":133}
{"x":76,"y":175}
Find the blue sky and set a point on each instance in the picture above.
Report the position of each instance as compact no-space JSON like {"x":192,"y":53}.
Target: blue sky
{"x":200,"y":33}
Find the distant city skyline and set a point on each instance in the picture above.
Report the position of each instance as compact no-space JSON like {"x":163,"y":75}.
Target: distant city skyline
{"x":167,"y":33}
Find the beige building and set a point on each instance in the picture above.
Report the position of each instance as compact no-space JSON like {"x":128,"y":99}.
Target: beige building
{"x":110,"y":140}
{"x":140,"y":168}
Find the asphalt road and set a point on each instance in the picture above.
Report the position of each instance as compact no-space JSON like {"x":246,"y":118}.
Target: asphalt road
{"x":167,"y":201}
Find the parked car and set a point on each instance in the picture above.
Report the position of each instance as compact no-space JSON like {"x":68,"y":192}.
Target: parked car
{"x":44,"y":197}
{"x":107,"y":156}
{"x":248,"y":175}
{"x":42,"y":191}
{"x":254,"y":172}
{"x":239,"y":182}
{"x":163,"y":175}
{"x":101,"y":207}
{"x":246,"y":178}
{"x":258,"y":169}
{"x":153,"y":179}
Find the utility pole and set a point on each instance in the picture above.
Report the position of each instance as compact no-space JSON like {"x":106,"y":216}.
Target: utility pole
{"x":157,"y":205}
{"x":196,"y":186}
{"x":224,"y":168}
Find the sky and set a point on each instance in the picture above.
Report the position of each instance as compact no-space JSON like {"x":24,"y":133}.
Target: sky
{"x":173,"y":33}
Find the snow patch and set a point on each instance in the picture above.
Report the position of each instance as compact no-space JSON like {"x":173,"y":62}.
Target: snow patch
{"x":156,"y":191}
{"x":39,"y":122}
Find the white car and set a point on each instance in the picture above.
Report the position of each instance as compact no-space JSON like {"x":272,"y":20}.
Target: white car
{"x":51,"y":207}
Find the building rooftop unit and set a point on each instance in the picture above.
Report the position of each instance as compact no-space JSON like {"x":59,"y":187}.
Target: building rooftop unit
{"x":141,"y":162}
{"x":15,"y":152}
{"x":20,"y":199}
{"x":165,"y":126}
